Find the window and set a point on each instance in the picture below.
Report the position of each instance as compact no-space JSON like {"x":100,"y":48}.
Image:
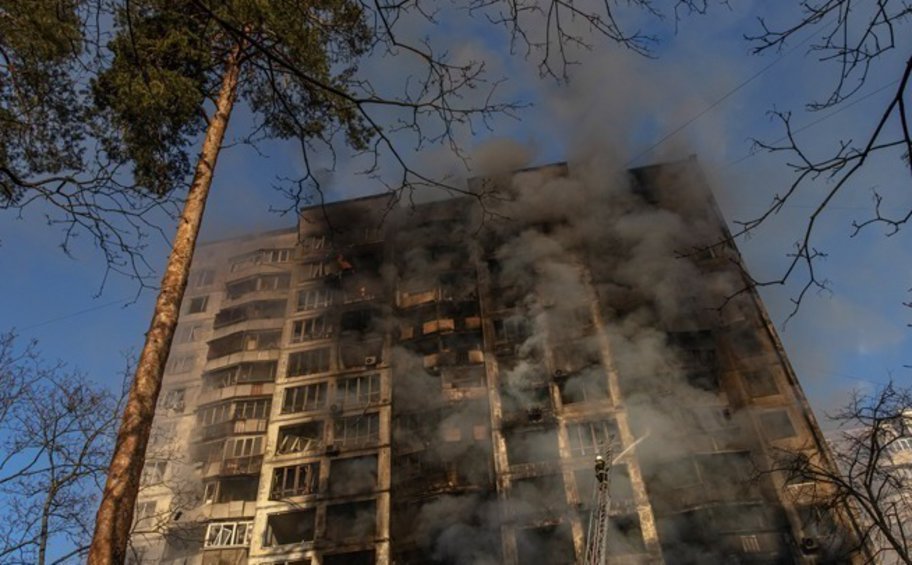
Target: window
{"x":354,"y":520}
{"x":290,"y":527}
{"x":145,"y":510}
{"x":240,"y":374}
{"x":304,"y":398}
{"x":231,"y":490}
{"x":354,"y":475}
{"x":252,"y":409}
{"x":202,"y":278}
{"x":901,"y":444}
{"x":198,"y":304}
{"x":173,"y":400}
{"x":591,"y":438}
{"x":294,"y":481}
{"x":310,"y":328}
{"x":314,"y":270}
{"x":588,"y":386}
{"x":243,"y":447}
{"x":153,"y":472}
{"x":761,"y":383}
{"x":276,"y":255}
{"x":228,"y":534}
{"x":776,"y":425}
{"x":181,"y":364}
{"x":214,"y":414}
{"x":188,"y":334}
{"x":532,"y":445}
{"x":358,"y":391}
{"x":314,"y":242}
{"x":313,"y":298}
{"x":239,"y":288}
{"x":356,"y":431}
{"x":512,"y":330}
{"x":308,"y":362}
{"x":300,"y":437}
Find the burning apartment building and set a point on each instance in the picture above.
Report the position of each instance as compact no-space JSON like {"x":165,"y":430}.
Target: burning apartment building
{"x":431,"y":384}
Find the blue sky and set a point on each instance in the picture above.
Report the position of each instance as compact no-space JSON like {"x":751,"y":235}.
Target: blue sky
{"x":852,"y":336}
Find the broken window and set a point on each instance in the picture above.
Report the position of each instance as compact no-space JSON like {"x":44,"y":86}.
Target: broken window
{"x":295,"y":480}
{"x":354,"y":475}
{"x":173,"y":400}
{"x":355,"y":353}
{"x":304,"y":398}
{"x":588,"y":386}
{"x":228,"y":534}
{"x":198,"y":304}
{"x":356,"y":431}
{"x":591,"y":438}
{"x":548,"y":544}
{"x":313,"y":242}
{"x":298,"y":438}
{"x":290,"y":527}
{"x":310,"y":328}
{"x":761,"y":383}
{"x":313,"y":298}
{"x":355,"y":520}
{"x":357,"y":321}
{"x":309,"y":362}
{"x":358,"y":391}
{"x":539,"y":495}
{"x":532,"y":445}
{"x":233,"y":489}
{"x":315,"y":270}
{"x":776,"y":424}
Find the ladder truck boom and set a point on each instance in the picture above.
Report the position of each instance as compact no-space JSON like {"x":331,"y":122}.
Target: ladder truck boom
{"x":599,"y":516}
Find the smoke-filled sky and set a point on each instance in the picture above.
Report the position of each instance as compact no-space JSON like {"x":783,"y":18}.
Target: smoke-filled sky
{"x":617,"y":104}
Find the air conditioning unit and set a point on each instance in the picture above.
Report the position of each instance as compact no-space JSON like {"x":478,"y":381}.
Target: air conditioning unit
{"x":370,"y":361}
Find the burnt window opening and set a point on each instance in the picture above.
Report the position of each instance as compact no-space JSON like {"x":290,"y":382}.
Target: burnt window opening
{"x":761,"y":383}
{"x":304,"y":398}
{"x":530,"y":405}
{"x":707,"y":380}
{"x":728,"y":469}
{"x":515,"y":329}
{"x":356,"y":431}
{"x":232,"y":489}
{"x":548,"y":544}
{"x":290,"y":527}
{"x":749,"y":341}
{"x":353,"y":475}
{"x":309,"y":362}
{"x":359,"y":322}
{"x":541,"y":495}
{"x":625,"y":535}
{"x":295,"y":480}
{"x":350,"y":558}
{"x":592,"y":438}
{"x":243,"y":373}
{"x":355,"y":520}
{"x":574,"y":357}
{"x":299,"y":438}
{"x":776,"y":424}
{"x":355,"y":353}
{"x":318,"y":327}
{"x":532,"y":445}
{"x":588,"y":386}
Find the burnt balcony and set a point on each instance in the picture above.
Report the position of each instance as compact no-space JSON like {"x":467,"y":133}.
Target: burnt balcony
{"x":233,"y":426}
{"x":255,"y":310}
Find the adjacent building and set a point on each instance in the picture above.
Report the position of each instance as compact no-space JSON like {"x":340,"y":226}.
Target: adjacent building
{"x":430,"y":384}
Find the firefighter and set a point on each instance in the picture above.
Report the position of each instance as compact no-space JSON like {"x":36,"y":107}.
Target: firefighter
{"x":601,"y":469}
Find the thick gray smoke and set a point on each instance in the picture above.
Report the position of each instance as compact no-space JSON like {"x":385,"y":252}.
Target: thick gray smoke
{"x":555,"y":240}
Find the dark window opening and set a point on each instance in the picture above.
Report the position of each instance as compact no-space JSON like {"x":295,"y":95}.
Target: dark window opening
{"x":356,"y":520}
{"x":538,"y":495}
{"x":550,"y":544}
{"x":777,"y":424}
{"x":290,"y":527}
{"x":532,"y":446}
{"x":351,"y":558}
{"x":355,"y":475}
{"x":588,"y":386}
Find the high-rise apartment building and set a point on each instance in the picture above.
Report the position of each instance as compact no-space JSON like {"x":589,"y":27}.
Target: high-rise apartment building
{"x":430,"y":384}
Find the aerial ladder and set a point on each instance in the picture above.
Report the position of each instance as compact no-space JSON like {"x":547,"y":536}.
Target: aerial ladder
{"x":600,"y":515}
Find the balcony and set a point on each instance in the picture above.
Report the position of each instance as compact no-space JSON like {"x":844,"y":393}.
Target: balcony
{"x":231,"y":427}
{"x":235,"y":391}
{"x":249,"y":465}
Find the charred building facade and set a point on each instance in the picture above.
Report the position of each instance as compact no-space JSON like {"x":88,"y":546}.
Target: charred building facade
{"x":431,"y":384}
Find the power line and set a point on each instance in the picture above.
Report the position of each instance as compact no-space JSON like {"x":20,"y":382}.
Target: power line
{"x":122,"y":301}
{"x":724,"y":97}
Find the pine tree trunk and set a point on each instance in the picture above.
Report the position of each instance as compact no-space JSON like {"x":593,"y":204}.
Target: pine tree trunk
{"x":115,"y":514}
